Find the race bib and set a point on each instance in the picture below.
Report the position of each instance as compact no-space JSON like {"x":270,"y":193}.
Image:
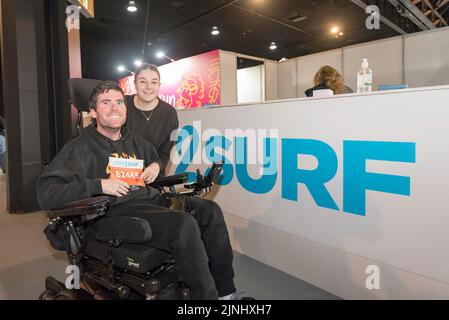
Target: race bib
{"x":126,"y":170}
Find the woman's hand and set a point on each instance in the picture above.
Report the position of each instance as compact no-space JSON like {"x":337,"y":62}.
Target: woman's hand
{"x":150,"y":173}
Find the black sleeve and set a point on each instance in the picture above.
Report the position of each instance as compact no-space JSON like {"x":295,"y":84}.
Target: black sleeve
{"x":309,"y":92}
{"x":150,"y":152}
{"x":2,"y":124}
{"x":167,"y":144}
{"x":64,"y":181}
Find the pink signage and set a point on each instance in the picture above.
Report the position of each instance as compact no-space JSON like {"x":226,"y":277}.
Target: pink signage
{"x":188,"y":83}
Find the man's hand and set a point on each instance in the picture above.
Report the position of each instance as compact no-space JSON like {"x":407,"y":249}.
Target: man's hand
{"x":150,"y":173}
{"x":114,"y":187}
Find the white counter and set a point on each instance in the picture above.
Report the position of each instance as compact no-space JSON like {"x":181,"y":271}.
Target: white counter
{"x":322,"y":215}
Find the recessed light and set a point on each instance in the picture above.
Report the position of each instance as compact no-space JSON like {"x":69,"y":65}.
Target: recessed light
{"x":273,"y":46}
{"x":215,"y":31}
{"x":132,"y":6}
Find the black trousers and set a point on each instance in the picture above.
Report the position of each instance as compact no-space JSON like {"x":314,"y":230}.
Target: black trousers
{"x":198,"y":241}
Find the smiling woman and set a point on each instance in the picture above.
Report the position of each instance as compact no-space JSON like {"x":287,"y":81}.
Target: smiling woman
{"x":149,"y":116}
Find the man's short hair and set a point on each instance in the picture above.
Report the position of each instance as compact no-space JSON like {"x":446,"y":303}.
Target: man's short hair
{"x":103,"y":87}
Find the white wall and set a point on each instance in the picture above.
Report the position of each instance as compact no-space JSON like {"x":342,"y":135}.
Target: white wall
{"x":427,"y":58}
{"x":271,"y":80}
{"x":267,"y":85}
{"x":228,"y":84}
{"x":250,"y":84}
{"x":420,"y":59}
{"x":384,"y":57}
{"x":287,"y":79}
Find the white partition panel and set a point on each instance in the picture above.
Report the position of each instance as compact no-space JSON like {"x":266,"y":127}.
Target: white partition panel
{"x":356,"y":182}
{"x":250,"y":84}
{"x":427,"y":58}
{"x":228,"y":84}
{"x":287,"y":79}
{"x":271,"y":80}
{"x":385,"y":59}
{"x":307,"y":66}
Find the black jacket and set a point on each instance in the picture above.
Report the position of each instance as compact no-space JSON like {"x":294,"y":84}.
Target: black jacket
{"x":309,"y":92}
{"x":76,"y":172}
{"x":2,"y":125}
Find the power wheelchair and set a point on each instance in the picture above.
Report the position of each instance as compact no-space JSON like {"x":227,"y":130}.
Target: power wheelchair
{"x":110,"y":253}
{"x":114,"y":263}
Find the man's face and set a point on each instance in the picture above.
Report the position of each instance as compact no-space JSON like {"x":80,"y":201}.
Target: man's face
{"x":111,"y":110}
{"x":147,"y":85}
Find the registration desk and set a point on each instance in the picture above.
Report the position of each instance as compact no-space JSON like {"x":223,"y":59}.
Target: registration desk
{"x":349,"y":193}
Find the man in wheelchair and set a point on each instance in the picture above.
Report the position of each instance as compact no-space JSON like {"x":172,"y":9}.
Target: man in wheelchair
{"x":126,"y":239}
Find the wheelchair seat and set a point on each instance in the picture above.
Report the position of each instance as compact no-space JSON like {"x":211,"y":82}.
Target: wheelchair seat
{"x":134,"y":257}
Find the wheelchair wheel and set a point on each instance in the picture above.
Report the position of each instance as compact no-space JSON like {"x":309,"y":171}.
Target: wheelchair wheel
{"x":47,"y":295}
{"x":79,"y":294}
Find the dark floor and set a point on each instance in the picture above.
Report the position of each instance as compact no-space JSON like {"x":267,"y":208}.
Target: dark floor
{"x":26,"y":259}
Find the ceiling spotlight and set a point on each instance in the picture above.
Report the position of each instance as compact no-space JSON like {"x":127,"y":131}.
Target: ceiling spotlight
{"x":122,"y":68}
{"x":160,"y":54}
{"x":335,"y":30}
{"x":341,"y":33}
{"x":215,"y":31}
{"x":132,"y":6}
{"x":138,"y":63}
{"x":273,"y":46}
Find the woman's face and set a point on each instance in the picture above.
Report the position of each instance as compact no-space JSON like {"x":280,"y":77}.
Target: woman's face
{"x":147,"y":85}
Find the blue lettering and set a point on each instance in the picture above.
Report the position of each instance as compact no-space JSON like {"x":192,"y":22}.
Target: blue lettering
{"x":227,"y":172}
{"x":268,"y":179}
{"x":356,"y":180}
{"x":314,"y":180}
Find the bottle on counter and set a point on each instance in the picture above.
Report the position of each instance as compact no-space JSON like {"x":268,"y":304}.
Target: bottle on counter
{"x":364,"y":78}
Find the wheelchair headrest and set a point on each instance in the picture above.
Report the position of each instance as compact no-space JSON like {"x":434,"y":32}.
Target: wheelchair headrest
{"x":80,"y":91}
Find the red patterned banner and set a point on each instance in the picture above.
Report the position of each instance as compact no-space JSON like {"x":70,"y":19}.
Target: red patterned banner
{"x":188,"y":83}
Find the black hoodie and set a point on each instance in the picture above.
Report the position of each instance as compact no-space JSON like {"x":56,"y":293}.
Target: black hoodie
{"x":76,"y":172}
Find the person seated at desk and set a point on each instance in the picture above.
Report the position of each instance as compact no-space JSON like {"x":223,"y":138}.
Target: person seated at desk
{"x":328,"y":78}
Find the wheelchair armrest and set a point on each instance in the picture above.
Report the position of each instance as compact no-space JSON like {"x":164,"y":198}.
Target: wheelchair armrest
{"x":170,"y":180}
{"x":88,"y":208}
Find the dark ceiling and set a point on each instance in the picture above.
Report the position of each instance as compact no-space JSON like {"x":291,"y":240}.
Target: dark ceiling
{"x":182,"y":29}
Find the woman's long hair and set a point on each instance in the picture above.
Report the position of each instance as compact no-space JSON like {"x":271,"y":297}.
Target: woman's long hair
{"x":329,"y":77}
